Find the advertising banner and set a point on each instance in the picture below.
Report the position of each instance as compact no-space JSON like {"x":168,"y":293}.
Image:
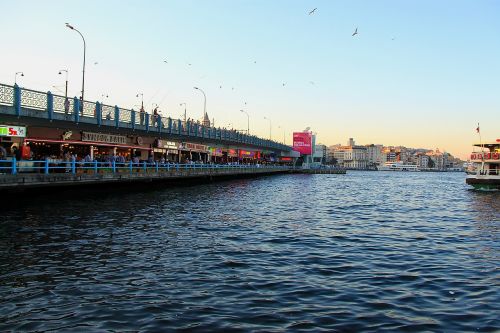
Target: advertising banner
{"x":12,"y":131}
{"x":302,"y":142}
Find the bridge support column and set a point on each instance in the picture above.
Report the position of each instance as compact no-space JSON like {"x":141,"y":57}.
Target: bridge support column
{"x":76,"y":109}
{"x":50,"y":105}
{"x":132,"y":118}
{"x":17,"y":100}
{"x":98,"y":113}
{"x":117,"y":116}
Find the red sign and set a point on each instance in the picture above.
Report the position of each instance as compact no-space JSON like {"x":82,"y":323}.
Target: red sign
{"x":302,"y":142}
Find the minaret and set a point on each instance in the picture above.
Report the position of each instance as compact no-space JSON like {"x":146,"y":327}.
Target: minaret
{"x":206,"y":120}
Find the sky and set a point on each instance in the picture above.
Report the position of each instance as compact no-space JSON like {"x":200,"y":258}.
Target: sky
{"x":419,"y":73}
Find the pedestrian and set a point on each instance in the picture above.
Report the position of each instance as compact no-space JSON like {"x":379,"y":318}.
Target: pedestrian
{"x":142,"y":114}
{"x":66,"y":105}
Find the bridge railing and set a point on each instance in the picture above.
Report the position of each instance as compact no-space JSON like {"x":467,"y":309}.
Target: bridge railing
{"x":70,"y":109}
{"x":50,"y":166}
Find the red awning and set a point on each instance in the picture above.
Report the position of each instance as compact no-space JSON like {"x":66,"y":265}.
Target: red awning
{"x":88,"y":143}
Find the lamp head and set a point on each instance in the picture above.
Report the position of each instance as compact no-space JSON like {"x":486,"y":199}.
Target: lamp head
{"x":22,"y":74}
{"x":60,"y":73}
{"x":70,"y":26}
{"x":196,"y":88}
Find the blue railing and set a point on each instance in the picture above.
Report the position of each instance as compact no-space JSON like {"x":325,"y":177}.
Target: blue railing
{"x":49,"y":166}
{"x":47,"y":105}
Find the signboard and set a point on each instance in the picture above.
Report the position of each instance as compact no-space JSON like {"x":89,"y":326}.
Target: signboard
{"x":232,"y":153}
{"x":167,"y":144}
{"x":302,"y":142}
{"x":249,"y":154}
{"x":216,"y":151}
{"x":193,"y":147}
{"x":12,"y":131}
{"x":107,"y":138}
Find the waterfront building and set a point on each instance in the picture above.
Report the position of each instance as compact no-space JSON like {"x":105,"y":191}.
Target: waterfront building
{"x":351,"y":156}
{"x":374,"y":155}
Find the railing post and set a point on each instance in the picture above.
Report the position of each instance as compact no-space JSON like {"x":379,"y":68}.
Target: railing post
{"x":132,"y":118}
{"x":130,"y":166}
{"x":146,"y":118}
{"x":145,"y":167}
{"x":159,"y":123}
{"x":14,"y":166}
{"x":17,"y":99}
{"x":50,"y":105}
{"x":95,"y":167}
{"x":98,"y":113}
{"x":169,"y":125}
{"x":76,"y":109}
{"x":114,"y":166}
{"x":73,"y":165}
{"x":46,"y":168}
{"x":117,"y":116}
{"x":156,"y":165}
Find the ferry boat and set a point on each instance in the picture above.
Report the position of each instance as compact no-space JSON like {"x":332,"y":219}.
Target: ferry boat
{"x":397,"y":166}
{"x":486,"y":173}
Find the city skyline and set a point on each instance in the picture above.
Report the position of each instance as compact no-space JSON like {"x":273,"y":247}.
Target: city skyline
{"x":416,"y":75}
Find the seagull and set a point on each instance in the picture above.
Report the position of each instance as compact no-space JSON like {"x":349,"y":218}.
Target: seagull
{"x":283,"y":84}
{"x":393,"y":38}
{"x":165,"y":61}
{"x":232,"y":88}
{"x":311,"y":82}
{"x":312,"y":11}
{"x":189,"y":64}
{"x":355,"y":32}
{"x":95,"y":63}
{"x":220,"y":87}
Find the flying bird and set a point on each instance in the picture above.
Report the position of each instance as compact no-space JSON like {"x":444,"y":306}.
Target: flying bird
{"x":283,"y":84}
{"x":311,"y":82}
{"x":355,"y":32}
{"x":312,"y":11}
{"x":220,"y":87}
{"x":95,"y":63}
{"x":165,"y":61}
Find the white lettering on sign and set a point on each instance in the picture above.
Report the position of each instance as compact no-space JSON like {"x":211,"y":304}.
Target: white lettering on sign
{"x":107,"y":138}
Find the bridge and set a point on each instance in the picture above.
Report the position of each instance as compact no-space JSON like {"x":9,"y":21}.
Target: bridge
{"x":21,"y":106}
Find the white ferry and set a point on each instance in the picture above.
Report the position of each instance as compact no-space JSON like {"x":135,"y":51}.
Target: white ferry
{"x":486,"y":173}
{"x":397,"y":166}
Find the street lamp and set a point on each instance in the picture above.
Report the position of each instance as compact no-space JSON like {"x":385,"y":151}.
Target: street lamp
{"x":248,"y":121}
{"x":284,"y":142}
{"x":15,"y":76}
{"x":270,"y":126}
{"x":66,"y":90}
{"x":185,"y":106}
{"x":205,"y":102}
{"x":142,"y":99}
{"x":84,"y":48}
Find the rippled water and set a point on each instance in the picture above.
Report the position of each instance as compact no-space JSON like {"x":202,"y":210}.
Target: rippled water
{"x":366,"y":251}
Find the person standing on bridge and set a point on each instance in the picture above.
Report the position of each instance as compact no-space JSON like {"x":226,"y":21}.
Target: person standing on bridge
{"x":142,"y":113}
{"x":66,"y":105}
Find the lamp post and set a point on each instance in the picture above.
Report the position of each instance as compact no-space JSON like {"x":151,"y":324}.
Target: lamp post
{"x":248,"y":121}
{"x":15,"y":77}
{"x":66,"y":90}
{"x":270,"y":126}
{"x":205,"y":102}
{"x":284,"y":142}
{"x":185,"y":106}
{"x":84,"y":48}
{"x":142,"y":99}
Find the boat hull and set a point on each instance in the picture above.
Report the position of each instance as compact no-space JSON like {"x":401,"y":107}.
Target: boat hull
{"x":487,"y":184}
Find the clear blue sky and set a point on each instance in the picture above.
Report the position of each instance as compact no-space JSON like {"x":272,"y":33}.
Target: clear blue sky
{"x":419,"y":73}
